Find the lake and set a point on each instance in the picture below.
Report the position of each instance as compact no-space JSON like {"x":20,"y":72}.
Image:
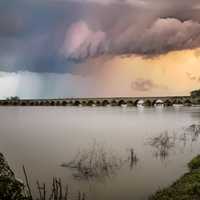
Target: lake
{"x":46,"y":139}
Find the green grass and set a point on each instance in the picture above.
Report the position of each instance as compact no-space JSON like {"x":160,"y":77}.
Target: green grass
{"x":194,"y":163}
{"x":186,"y":188}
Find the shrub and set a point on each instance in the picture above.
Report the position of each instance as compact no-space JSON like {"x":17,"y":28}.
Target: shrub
{"x":194,"y":163}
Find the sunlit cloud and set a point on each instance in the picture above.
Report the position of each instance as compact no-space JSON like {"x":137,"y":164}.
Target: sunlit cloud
{"x":163,"y":36}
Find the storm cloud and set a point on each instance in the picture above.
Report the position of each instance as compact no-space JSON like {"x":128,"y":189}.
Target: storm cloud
{"x":163,"y":36}
{"x":53,"y":35}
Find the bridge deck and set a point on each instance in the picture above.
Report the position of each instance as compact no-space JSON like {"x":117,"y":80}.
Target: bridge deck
{"x":103,"y":101}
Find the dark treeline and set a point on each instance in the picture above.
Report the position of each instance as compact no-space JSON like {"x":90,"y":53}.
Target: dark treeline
{"x":195,"y":93}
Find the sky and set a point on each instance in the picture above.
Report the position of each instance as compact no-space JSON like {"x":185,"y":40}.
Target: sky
{"x":99,"y":48}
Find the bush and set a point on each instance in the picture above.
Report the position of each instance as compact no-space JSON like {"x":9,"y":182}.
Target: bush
{"x":194,"y":163}
{"x":186,"y":188}
{"x":195,"y":93}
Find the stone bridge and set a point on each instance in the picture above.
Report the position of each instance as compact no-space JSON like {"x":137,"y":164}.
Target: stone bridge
{"x":114,"y":101}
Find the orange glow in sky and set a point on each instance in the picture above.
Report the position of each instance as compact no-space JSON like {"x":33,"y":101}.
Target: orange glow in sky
{"x":176,"y":73}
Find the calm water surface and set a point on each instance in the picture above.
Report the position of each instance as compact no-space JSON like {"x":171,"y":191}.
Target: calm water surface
{"x":42,"y":138}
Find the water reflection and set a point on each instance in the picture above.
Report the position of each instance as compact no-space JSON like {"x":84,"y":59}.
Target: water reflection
{"x":183,"y":138}
{"x":133,"y":159}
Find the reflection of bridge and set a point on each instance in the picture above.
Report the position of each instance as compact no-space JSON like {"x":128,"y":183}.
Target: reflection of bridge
{"x":115,"y":101}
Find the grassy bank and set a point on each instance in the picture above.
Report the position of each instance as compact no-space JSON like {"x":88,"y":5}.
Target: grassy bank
{"x":13,"y":189}
{"x":186,"y":188}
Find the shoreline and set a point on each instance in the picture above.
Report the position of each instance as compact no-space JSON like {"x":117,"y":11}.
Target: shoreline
{"x":186,"y":187}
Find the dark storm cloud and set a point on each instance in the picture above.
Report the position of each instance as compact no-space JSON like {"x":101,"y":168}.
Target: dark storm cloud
{"x":50,"y":35}
{"x":31,"y":34}
{"x":146,"y":28}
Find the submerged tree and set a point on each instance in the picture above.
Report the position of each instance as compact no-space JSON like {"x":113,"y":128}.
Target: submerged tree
{"x":193,"y":131}
{"x":95,"y":162}
{"x":162,"y":144}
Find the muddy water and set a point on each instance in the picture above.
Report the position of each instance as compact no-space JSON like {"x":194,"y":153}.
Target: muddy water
{"x":42,"y":138}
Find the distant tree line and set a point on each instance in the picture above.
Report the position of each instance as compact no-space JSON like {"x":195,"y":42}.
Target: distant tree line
{"x":195,"y":93}
{"x":14,"y":98}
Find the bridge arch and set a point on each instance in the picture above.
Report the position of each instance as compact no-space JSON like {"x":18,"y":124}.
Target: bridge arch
{"x":105,"y":103}
{"x":158,"y":102}
{"x":130,"y":103}
{"x":23,"y":103}
{"x":64,"y":103}
{"x":26,"y":103}
{"x":114,"y":103}
{"x":31,"y":103}
{"x":136,"y":102}
{"x":52,"y":103}
{"x":48,"y":103}
{"x":84,"y":103}
{"x":90,"y":103}
{"x":139,"y":102}
{"x":98,"y":103}
{"x":15,"y":103}
{"x":121,"y":103}
{"x":168,"y":102}
{"x":77,"y":103}
{"x":58,"y":103}
{"x":37,"y":103}
{"x":187,"y":102}
{"x":5,"y":103}
{"x":70,"y":103}
{"x":41,"y":103}
{"x":147,"y":103}
{"x":177,"y":101}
